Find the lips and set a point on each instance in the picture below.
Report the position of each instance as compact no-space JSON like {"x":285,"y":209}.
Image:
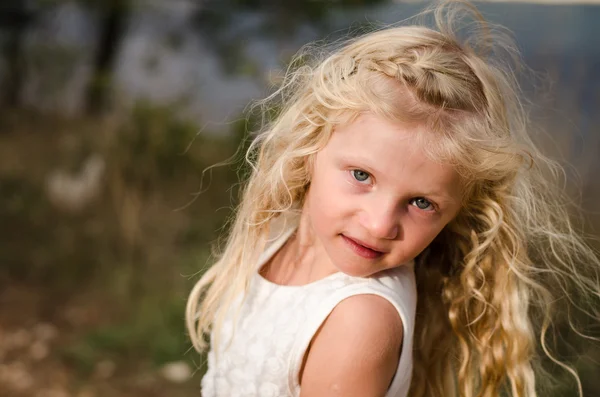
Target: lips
{"x":361,"y":248}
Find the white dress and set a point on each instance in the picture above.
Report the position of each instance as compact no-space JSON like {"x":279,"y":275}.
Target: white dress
{"x":276,"y":324}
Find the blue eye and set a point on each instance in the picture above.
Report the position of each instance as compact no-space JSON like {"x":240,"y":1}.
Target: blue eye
{"x":422,"y":204}
{"x":360,"y":175}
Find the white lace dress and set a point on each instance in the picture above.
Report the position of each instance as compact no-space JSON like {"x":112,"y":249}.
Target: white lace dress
{"x":277,"y":323}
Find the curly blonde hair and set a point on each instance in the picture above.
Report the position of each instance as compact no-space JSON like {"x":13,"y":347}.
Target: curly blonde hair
{"x":487,"y":283}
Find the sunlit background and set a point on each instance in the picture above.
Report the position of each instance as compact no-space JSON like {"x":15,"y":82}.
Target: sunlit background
{"x":111,"y":110}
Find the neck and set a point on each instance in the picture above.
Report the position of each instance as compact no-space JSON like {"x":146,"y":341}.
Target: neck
{"x":310,"y":259}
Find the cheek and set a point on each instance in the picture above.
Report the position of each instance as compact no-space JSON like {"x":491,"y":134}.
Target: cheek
{"x":419,"y":237}
{"x":325,"y":190}
{"x":324,"y":198}
{"x":321,"y":205}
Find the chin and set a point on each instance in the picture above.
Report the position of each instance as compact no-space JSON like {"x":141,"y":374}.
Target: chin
{"x":354,"y":269}
{"x":354,"y":273}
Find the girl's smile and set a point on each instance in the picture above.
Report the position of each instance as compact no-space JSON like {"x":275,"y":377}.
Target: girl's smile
{"x":363,"y":249}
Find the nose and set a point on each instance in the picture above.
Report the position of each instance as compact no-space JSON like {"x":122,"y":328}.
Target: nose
{"x":381,"y":220}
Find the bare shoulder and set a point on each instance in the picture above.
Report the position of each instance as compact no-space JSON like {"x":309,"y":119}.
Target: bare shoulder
{"x":356,"y":350}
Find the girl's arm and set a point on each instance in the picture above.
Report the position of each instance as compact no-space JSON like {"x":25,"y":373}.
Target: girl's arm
{"x":356,"y":350}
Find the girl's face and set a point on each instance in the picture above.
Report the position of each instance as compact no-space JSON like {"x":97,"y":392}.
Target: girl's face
{"x":375,"y":200}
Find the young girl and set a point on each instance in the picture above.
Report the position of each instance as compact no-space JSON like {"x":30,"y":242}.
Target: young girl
{"x":398,"y":235}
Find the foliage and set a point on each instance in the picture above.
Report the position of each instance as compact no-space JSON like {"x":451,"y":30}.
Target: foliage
{"x":277,"y":20}
{"x":132,"y":253}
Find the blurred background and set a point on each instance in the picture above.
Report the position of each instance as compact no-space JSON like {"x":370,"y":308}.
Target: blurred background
{"x":111,"y":110}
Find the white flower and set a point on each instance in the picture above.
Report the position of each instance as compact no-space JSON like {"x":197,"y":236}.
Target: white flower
{"x":208,"y":384}
{"x":268,"y":389}
{"x":274,"y":368}
{"x":233,"y":358}
{"x":256,"y":353}
{"x":248,"y":390}
{"x":238,"y":377}
{"x":284,"y":342}
{"x":222,"y":387}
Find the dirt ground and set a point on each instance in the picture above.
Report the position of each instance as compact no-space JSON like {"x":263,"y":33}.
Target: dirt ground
{"x":35,"y":334}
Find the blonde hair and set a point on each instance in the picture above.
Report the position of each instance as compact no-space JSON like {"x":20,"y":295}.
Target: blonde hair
{"x":485,"y":283}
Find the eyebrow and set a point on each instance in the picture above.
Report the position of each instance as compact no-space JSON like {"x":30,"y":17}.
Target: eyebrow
{"x":440,"y":197}
{"x":362,"y":162}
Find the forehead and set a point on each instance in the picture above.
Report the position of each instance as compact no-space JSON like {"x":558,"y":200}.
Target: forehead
{"x":394,"y":151}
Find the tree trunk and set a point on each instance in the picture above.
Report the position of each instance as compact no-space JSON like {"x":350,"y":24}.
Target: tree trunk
{"x":14,"y":18}
{"x":115,"y":14}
